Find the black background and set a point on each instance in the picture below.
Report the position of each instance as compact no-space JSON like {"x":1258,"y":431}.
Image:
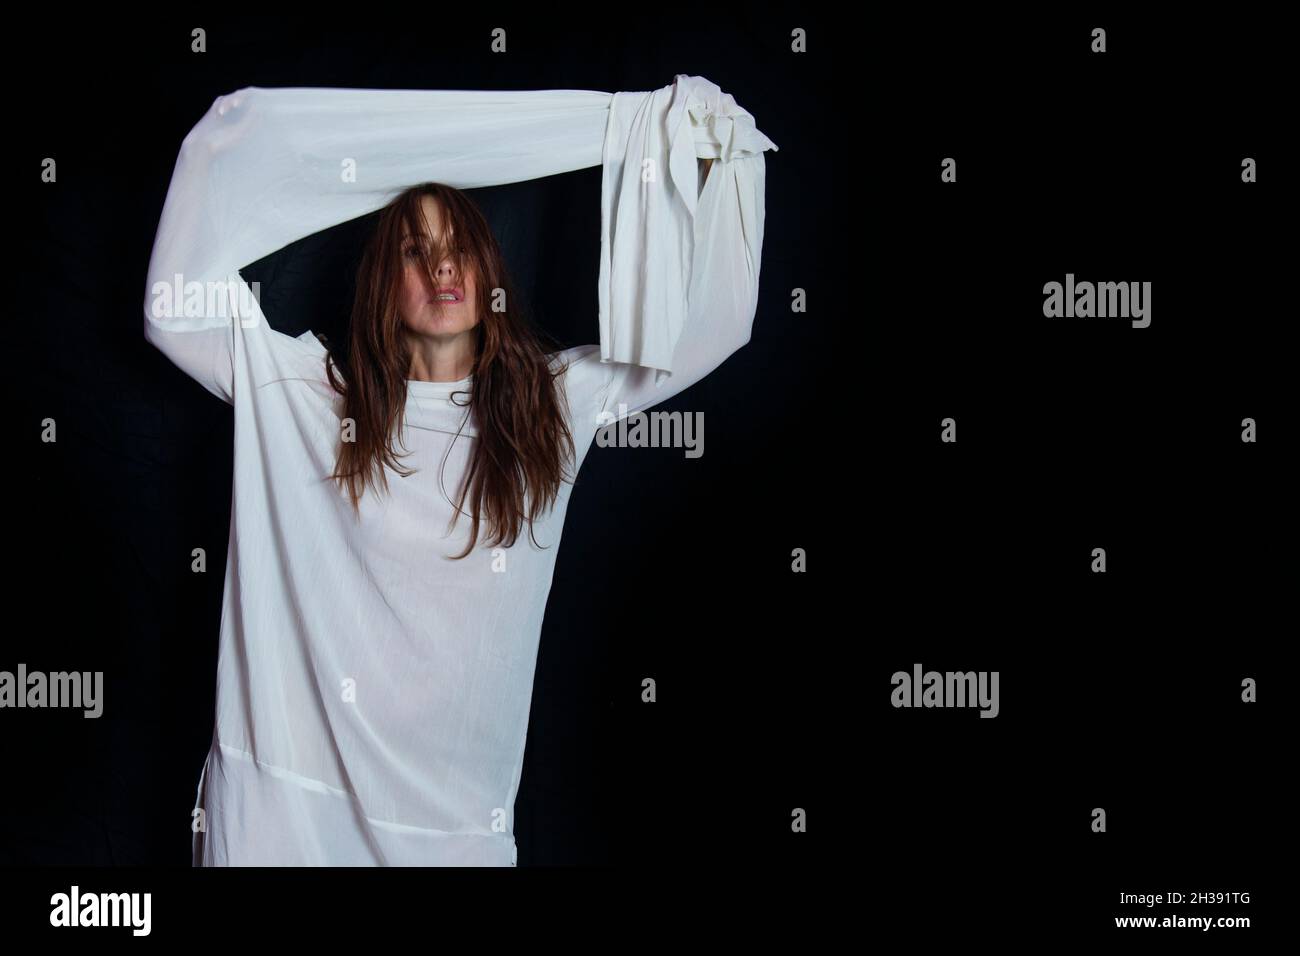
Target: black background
{"x":1119,"y":690}
{"x":663,"y":557}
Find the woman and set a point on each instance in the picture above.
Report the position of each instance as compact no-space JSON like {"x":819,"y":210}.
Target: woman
{"x":379,"y":632}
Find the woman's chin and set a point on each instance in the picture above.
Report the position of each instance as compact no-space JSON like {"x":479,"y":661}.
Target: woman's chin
{"x":445,"y":322}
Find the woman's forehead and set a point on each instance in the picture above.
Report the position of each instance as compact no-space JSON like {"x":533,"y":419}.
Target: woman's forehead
{"x":432,"y":212}
{"x":451,"y":234}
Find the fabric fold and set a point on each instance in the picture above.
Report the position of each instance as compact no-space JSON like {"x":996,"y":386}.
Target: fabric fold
{"x":649,"y":202}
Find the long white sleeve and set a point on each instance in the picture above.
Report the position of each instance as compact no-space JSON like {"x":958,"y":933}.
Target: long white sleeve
{"x":265,"y":167}
{"x":679,"y":271}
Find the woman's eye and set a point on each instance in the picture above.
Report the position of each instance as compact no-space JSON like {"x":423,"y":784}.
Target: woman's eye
{"x":417,"y":251}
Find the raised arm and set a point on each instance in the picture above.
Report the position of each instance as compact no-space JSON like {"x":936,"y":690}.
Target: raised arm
{"x":265,"y":167}
{"x":680,"y":264}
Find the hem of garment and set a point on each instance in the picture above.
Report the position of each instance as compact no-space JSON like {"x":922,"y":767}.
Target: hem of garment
{"x":316,"y":786}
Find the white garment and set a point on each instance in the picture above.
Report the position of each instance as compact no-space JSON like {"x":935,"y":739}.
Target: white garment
{"x":422,"y":765}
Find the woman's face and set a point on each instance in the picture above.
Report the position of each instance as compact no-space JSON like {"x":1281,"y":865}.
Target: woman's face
{"x":448,"y":308}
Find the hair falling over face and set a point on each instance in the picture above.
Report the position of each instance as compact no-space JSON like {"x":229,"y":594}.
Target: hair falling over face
{"x":524,"y":443}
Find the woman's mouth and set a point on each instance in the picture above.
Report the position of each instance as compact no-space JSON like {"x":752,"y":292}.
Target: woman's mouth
{"x":448,"y":295}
